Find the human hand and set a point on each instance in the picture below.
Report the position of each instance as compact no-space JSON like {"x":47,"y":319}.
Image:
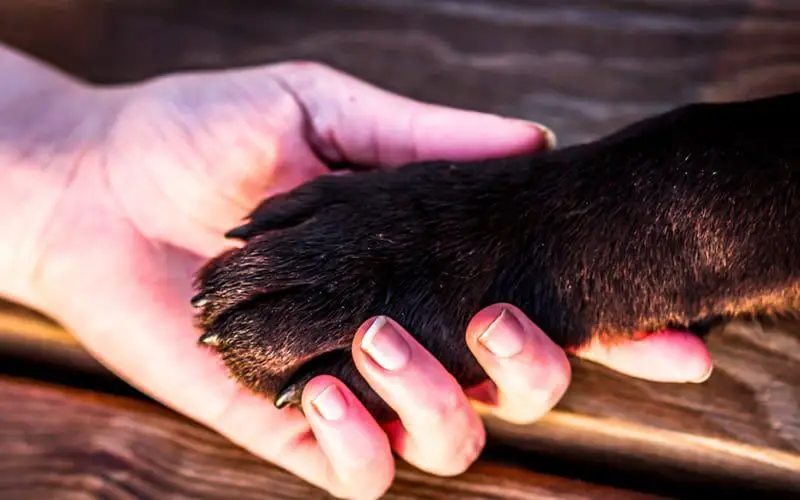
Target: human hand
{"x":159,"y":173}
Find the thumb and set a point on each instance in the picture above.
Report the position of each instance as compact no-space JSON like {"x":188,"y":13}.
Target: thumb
{"x":352,"y":121}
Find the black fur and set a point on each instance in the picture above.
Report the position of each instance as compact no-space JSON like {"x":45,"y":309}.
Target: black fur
{"x":679,"y":220}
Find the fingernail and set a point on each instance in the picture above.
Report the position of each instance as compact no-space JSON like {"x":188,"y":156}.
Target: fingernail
{"x":330,"y":403}
{"x":549,"y":136}
{"x":385,"y":346}
{"x":706,"y":376}
{"x":504,"y":337}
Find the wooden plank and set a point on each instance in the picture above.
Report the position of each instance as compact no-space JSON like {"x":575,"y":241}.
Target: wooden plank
{"x":582,"y":67}
{"x":63,"y":443}
{"x":740,"y":431}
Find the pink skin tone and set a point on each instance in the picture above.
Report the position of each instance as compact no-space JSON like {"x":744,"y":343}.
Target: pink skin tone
{"x":114,"y":217}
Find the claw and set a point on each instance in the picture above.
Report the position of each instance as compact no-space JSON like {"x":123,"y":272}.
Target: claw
{"x":291,"y":395}
{"x":210,"y":339}
{"x":199,"y":300}
{"x":240,"y":233}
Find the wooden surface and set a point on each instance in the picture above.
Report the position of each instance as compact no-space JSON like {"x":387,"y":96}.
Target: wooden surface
{"x":582,"y":67}
{"x":62,"y":443}
{"x":740,"y":431}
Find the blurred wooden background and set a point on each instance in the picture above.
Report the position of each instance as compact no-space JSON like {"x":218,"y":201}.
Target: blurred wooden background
{"x":584,"y":68}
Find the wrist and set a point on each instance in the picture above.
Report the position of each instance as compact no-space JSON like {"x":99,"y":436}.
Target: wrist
{"x":43,"y":134}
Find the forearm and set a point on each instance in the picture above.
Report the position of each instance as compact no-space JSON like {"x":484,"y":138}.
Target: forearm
{"x":40,"y":116}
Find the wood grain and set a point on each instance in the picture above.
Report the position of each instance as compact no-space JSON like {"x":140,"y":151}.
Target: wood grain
{"x":739,"y":431}
{"x":61,"y":443}
{"x":583,"y":67}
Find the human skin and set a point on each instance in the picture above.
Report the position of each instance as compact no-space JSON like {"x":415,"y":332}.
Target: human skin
{"x":114,"y":197}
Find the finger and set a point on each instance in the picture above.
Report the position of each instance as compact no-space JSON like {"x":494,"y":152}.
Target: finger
{"x":353,"y":121}
{"x":439,"y":432}
{"x":359,"y":458}
{"x":668,"y":356}
{"x":530,"y":372}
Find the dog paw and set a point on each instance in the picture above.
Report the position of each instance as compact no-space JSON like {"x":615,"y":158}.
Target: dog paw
{"x":678,"y":221}
{"x":321,"y":260}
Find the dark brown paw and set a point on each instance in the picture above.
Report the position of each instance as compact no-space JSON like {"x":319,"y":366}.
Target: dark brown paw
{"x":683,"y":219}
{"x":317,"y":263}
